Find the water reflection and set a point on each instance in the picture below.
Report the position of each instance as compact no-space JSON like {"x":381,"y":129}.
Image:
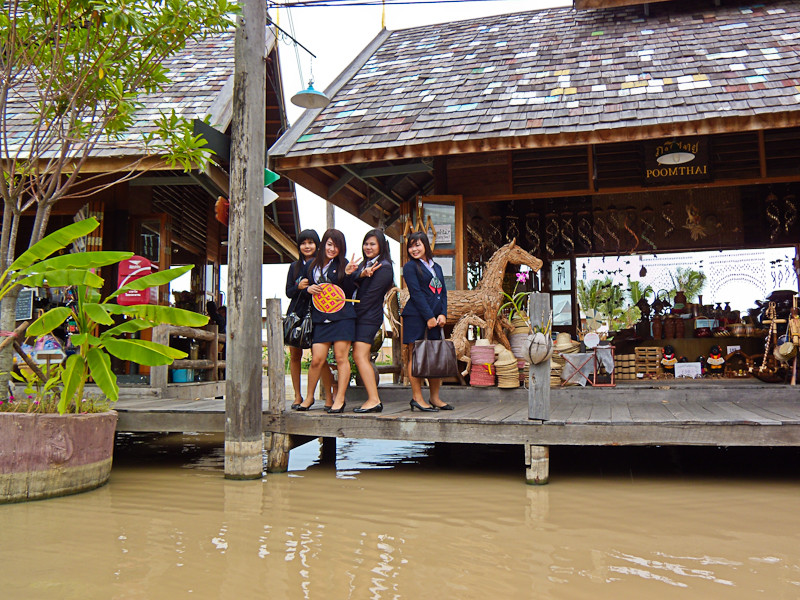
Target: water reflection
{"x":386,"y":520}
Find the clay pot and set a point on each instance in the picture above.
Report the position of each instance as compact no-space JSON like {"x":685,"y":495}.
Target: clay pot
{"x":658,"y":328}
{"x":46,"y":455}
{"x":680,"y":328}
{"x":669,"y":329}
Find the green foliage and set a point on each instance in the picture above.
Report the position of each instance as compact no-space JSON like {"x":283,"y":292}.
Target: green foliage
{"x":95,"y":349}
{"x":688,"y":281}
{"x":604,"y":297}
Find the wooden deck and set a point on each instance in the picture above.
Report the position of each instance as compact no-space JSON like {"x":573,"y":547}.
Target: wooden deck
{"x":715,"y":413}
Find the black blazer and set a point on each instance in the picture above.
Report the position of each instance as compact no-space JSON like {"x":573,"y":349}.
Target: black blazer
{"x":343,"y":281}
{"x":371,"y":291}
{"x":299,"y":300}
{"x":423,"y":301}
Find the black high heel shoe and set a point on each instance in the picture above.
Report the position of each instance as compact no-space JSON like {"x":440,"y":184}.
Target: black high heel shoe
{"x":294,"y":406}
{"x":337,"y":411}
{"x":418,"y":406}
{"x":445,"y":407}
{"x":302,"y":408}
{"x":374,"y":409}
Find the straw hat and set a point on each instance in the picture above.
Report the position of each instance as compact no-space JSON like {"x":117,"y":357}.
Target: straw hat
{"x":565,"y":342}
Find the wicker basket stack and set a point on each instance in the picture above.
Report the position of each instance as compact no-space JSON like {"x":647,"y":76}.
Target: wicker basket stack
{"x":482,"y":373}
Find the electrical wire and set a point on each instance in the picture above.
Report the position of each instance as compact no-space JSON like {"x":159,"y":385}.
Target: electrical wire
{"x":313,"y":3}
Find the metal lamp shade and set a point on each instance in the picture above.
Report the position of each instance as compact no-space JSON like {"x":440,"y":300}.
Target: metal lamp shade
{"x":676,"y":156}
{"x":310,"y":98}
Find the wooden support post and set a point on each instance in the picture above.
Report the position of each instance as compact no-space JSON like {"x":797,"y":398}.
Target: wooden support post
{"x":159,"y":376}
{"x":537,"y":464}
{"x":244,"y":440}
{"x":539,"y":375}
{"x":278,"y":458}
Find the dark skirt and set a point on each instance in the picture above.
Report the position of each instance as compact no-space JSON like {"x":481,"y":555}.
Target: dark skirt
{"x":366,"y":332}
{"x":343,"y":330}
{"x":414,"y":329}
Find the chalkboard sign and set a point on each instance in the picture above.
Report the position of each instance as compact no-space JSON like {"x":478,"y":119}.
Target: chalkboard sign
{"x":25,"y":305}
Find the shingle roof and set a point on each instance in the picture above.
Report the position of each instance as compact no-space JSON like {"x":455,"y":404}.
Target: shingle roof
{"x":560,"y":70}
{"x":198,"y":75}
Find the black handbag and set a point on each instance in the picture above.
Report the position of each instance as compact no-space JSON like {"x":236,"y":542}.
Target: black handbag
{"x":290,"y":321}
{"x":301,"y":335}
{"x":434,"y":358}
{"x":304,"y":332}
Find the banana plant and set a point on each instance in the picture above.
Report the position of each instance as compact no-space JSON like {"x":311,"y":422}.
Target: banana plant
{"x":95,"y":349}
{"x":37,"y":267}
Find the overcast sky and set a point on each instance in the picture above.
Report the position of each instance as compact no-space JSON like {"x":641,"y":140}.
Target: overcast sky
{"x":336,"y":35}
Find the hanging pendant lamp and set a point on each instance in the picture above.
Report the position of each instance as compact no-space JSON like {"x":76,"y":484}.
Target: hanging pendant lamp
{"x":676,"y":155}
{"x":310,"y":98}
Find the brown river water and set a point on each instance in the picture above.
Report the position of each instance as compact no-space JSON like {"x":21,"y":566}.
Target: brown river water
{"x":389,"y":520}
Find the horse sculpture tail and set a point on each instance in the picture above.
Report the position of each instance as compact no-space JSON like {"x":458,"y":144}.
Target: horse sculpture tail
{"x":391,"y":307}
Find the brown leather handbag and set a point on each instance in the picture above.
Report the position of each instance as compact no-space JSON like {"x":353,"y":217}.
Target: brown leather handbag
{"x":434,"y":358}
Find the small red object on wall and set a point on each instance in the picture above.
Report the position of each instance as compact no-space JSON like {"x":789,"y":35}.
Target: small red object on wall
{"x":129,"y":270}
{"x":221,"y":209}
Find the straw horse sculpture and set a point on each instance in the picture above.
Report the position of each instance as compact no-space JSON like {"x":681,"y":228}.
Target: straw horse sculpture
{"x":486,"y":298}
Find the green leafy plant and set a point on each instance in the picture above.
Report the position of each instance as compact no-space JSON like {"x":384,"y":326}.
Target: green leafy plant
{"x":517,"y":301}
{"x":36,"y":268}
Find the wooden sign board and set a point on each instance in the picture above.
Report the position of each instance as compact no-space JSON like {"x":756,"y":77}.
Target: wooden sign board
{"x":666,"y":172}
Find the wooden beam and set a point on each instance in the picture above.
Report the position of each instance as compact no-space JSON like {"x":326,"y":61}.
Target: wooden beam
{"x":762,"y":155}
{"x":244,"y":441}
{"x":339,"y":184}
{"x":284,"y":241}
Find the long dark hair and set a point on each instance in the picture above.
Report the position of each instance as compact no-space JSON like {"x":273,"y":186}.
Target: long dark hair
{"x":306,"y":234}
{"x":337,"y":237}
{"x":383,"y":246}
{"x":422,"y":237}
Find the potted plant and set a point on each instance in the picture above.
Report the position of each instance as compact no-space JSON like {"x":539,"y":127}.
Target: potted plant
{"x":54,"y":441}
{"x":517,"y":306}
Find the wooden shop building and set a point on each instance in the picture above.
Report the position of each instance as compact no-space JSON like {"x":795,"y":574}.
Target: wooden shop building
{"x":169,"y":216}
{"x":560,"y":128}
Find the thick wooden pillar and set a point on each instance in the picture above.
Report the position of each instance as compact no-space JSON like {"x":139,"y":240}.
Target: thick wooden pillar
{"x":278,"y":457}
{"x":537,"y":464}
{"x":244,"y":444}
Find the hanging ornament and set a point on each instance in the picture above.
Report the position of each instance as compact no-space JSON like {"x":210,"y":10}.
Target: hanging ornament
{"x":599,"y":227}
{"x":612,"y":226}
{"x":648,"y":231}
{"x":532,"y":232}
{"x":584,"y":271}
{"x":551,"y":231}
{"x":628,"y":223}
{"x":512,"y":229}
{"x":643,"y":271}
{"x":790,"y":212}
{"x":773,"y":216}
{"x":666,"y":214}
{"x":585,"y":231}
{"x":567,"y":233}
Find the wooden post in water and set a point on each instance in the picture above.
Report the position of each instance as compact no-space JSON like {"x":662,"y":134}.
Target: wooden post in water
{"x":278,"y":458}
{"x":537,"y":458}
{"x":537,"y":464}
{"x":244,"y":440}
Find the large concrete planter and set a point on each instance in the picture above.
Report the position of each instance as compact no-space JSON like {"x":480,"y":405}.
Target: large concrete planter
{"x":46,"y":455}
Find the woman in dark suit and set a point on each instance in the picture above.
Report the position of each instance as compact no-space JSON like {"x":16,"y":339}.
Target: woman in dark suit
{"x":426,"y":310}
{"x":373,"y":277}
{"x":338,"y":328}
{"x":299,"y":303}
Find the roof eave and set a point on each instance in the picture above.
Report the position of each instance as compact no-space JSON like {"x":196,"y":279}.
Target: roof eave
{"x":716,"y":125}
{"x":288,"y":139}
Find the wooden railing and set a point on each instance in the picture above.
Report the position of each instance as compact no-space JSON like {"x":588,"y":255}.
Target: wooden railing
{"x":208,"y":336}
